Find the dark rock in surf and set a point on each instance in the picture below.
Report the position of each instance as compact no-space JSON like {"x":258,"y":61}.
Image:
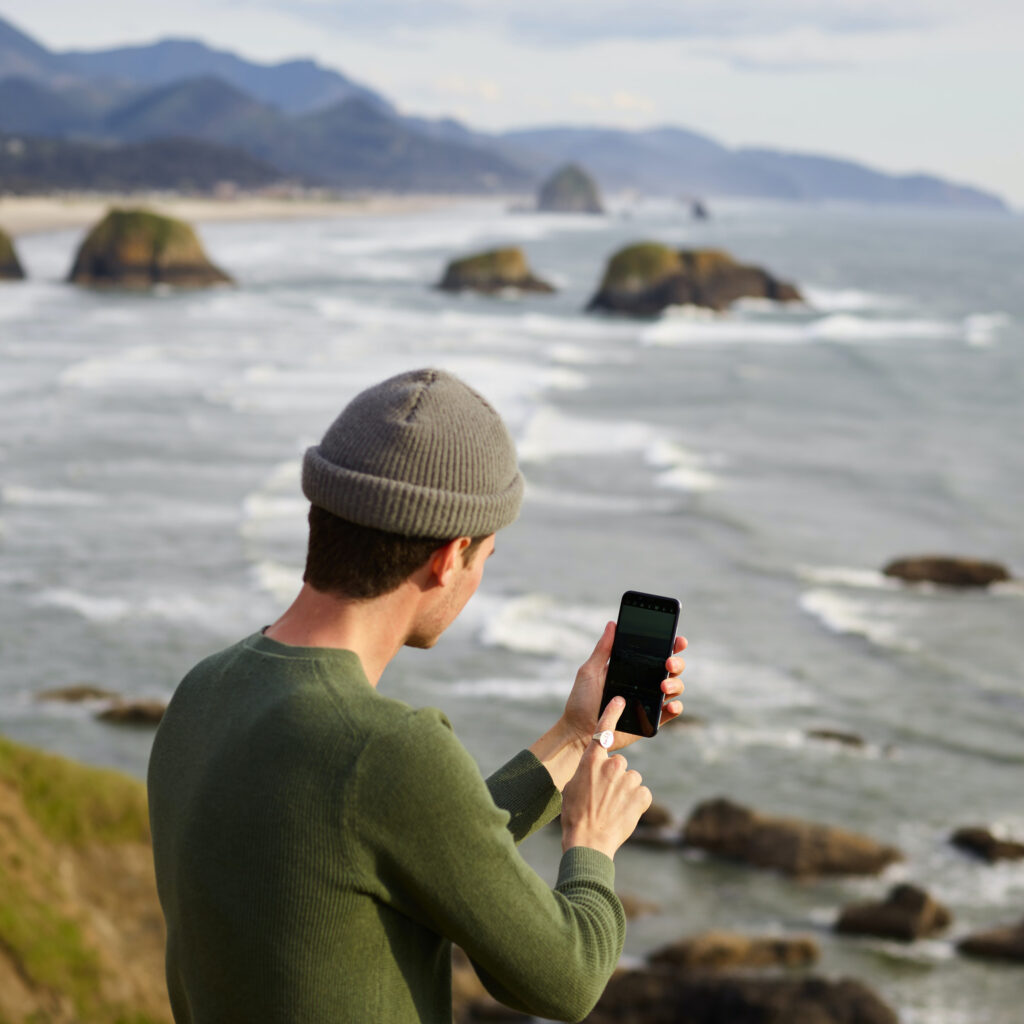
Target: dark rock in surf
{"x":10,"y":266}
{"x":906,"y":914}
{"x":789,"y":845}
{"x":646,"y":278}
{"x":846,"y":739}
{"x":76,"y":694}
{"x":1005,"y":943}
{"x":634,"y":906}
{"x":492,"y":271}
{"x":725,"y":950}
{"x":656,"y":827}
{"x":569,"y":190}
{"x":982,"y":843}
{"x":661,"y":996}
{"x":947,"y":571}
{"x":698,"y":211}
{"x":139,"y":249}
{"x":134,"y":712}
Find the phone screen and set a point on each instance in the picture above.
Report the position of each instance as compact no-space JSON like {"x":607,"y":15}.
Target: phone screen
{"x":644,"y":637}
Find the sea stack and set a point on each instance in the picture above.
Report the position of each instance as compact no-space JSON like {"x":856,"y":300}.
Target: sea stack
{"x":569,"y":190}
{"x":10,"y":266}
{"x":646,"y":278}
{"x":492,"y":271}
{"x":947,"y":571}
{"x":139,"y":249}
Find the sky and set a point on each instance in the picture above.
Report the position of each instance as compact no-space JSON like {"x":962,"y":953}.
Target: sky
{"x":907,"y":86}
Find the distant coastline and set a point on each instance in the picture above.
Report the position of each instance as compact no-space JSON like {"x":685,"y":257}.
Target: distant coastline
{"x":28,"y":215}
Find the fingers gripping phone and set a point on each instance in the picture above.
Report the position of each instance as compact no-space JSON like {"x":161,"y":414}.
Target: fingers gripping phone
{"x":644,"y":637}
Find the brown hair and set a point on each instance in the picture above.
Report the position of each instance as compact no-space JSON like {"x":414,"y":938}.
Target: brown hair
{"x":362,"y":562}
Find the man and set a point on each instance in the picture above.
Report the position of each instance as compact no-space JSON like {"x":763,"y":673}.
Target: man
{"x":319,"y":846}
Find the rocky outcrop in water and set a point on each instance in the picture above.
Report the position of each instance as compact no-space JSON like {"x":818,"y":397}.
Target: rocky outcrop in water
{"x":10,"y":266}
{"x":1005,"y":943}
{"x":906,"y":914}
{"x":983,"y":843}
{"x":134,"y":712}
{"x":725,"y":950}
{"x":569,"y":190}
{"x":646,"y":278}
{"x":947,"y":571}
{"x":666,"y":997}
{"x":789,"y":845}
{"x":138,"y":249}
{"x":492,"y":271}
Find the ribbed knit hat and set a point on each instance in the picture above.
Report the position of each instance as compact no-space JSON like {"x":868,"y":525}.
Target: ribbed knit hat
{"x":421,"y":454}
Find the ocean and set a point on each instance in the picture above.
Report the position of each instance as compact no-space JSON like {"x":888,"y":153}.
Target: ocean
{"x":761,"y":465}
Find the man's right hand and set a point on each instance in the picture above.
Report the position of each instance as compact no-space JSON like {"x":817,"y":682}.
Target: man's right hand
{"x":603,"y":801}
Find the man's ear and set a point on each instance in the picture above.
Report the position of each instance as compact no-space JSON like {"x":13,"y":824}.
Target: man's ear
{"x":448,"y":559}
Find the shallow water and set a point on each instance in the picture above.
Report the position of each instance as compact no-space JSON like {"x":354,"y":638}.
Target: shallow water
{"x":762,"y":466}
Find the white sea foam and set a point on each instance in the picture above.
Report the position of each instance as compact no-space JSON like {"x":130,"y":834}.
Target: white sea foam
{"x":681,"y":469}
{"x":860,"y":579}
{"x":281,"y":581}
{"x":217,"y":609}
{"x":539,"y":624}
{"x":838,"y":327}
{"x":147,"y":366}
{"x":591,"y":502}
{"x":982,"y":330}
{"x":549,"y":434}
{"x":855,"y":616}
{"x":48,"y":497}
{"x":848,"y":300}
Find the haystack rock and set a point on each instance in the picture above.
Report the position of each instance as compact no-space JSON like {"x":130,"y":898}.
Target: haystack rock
{"x":982,"y":842}
{"x":570,"y":190}
{"x":947,"y":571}
{"x":907,"y":913}
{"x":10,"y":267}
{"x":789,"y":845}
{"x":492,"y":271}
{"x":724,"y":950}
{"x":646,"y":278}
{"x":1006,"y":943}
{"x":662,"y":996}
{"x":138,"y":249}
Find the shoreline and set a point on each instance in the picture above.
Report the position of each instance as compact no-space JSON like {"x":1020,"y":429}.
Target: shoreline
{"x":30,"y":215}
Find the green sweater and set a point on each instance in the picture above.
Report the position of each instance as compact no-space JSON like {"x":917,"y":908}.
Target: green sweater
{"x":319,"y":846}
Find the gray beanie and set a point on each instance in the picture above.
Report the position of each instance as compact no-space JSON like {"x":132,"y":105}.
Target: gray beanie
{"x":422,"y":455}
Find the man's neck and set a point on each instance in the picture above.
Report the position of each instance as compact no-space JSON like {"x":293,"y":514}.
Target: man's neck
{"x":374,"y":630}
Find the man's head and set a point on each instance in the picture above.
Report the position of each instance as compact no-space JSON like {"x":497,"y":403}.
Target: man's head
{"x":410,"y":464}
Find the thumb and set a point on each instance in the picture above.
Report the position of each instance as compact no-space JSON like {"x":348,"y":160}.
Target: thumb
{"x":603,"y":649}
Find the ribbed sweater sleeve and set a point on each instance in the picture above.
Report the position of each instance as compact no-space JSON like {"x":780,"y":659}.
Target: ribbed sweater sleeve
{"x":524,"y":788}
{"x":444,"y":854}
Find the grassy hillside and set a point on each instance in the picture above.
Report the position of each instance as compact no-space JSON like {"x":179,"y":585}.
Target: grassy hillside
{"x":81,"y":935}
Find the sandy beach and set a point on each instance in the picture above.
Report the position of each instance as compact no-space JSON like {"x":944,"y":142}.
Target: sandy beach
{"x":25,"y":215}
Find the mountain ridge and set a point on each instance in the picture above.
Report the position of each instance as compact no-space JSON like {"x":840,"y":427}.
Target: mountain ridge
{"x":319,"y":127}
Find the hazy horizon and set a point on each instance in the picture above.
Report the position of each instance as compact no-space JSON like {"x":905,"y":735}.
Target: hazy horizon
{"x":929,"y":88}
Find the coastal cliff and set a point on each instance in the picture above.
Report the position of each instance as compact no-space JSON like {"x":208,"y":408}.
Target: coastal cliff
{"x":81,"y":934}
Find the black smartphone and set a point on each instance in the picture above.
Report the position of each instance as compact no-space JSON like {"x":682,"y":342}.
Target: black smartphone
{"x":644,"y":637}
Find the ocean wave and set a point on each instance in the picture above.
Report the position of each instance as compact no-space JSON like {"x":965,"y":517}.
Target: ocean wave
{"x":680,"y":468}
{"x":539,"y":624}
{"x":684,"y":329}
{"x":49,"y":497}
{"x":849,"y":300}
{"x":216,"y":611}
{"x":147,"y":366}
{"x":512,"y":689}
{"x":281,"y":581}
{"x":856,"y":616}
{"x":591,"y":502}
{"x":847,"y":576}
{"x":982,"y":330}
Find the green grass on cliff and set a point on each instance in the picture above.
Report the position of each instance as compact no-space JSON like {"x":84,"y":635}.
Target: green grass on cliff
{"x":74,"y":803}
